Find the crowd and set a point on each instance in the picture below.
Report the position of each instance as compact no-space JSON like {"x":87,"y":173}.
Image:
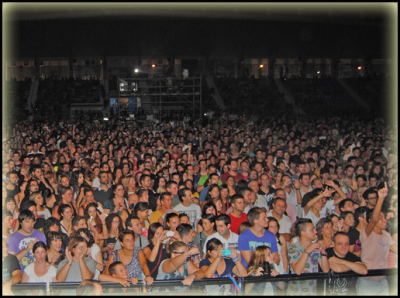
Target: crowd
{"x":120,"y":202}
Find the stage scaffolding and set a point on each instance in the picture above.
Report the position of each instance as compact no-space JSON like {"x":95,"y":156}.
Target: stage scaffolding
{"x":161,"y":96}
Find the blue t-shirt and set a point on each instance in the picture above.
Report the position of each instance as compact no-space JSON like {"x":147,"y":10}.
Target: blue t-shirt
{"x":17,"y":242}
{"x":249,"y":241}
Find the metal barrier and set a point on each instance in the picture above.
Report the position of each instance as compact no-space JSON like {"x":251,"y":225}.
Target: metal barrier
{"x":325,"y":284}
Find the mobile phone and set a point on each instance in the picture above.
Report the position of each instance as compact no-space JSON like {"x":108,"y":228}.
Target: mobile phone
{"x":226,"y":252}
{"x":170,"y":234}
{"x":381,"y":185}
{"x":292,"y":180}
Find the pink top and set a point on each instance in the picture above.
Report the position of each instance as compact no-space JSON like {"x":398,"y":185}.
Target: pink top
{"x":291,"y":212}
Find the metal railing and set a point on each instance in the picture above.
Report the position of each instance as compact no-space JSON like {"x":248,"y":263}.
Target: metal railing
{"x":325,"y":285}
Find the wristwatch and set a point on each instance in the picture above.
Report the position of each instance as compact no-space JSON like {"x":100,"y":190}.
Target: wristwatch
{"x":194,"y":273}
{"x":12,"y":282}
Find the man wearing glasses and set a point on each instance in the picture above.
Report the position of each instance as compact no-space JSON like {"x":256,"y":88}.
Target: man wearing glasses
{"x":370,"y":196}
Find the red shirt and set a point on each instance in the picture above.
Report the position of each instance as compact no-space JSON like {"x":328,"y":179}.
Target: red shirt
{"x":173,"y":156}
{"x":238,"y":177}
{"x":236,"y":221}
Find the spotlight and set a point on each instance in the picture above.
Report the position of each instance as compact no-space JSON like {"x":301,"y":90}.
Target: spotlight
{"x":105,"y":119}
{"x":153,"y":65}
{"x":359,"y":68}
{"x":136,"y":70}
{"x":261,"y":65}
{"x":318,"y":72}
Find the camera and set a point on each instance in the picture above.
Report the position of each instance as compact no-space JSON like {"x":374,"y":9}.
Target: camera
{"x":169,"y":234}
{"x":267,"y":268}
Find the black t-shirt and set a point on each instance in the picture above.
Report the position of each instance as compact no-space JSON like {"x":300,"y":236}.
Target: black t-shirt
{"x":354,"y":235}
{"x":343,"y":286}
{"x":65,"y":241}
{"x":161,"y":256}
{"x":39,"y":224}
{"x":313,"y":149}
{"x":271,"y":191}
{"x":10,"y":264}
{"x":348,"y":257}
{"x":42,"y":186}
{"x":263,"y":163}
{"x":12,"y":193}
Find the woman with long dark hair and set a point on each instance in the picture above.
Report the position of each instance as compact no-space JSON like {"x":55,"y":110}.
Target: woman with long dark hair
{"x":212,"y":193}
{"x":66,"y":198}
{"x":217,"y":265}
{"x":77,"y":181}
{"x":94,"y":218}
{"x":155,"y":252}
{"x":273,"y":227}
{"x":118,"y":202}
{"x":141,"y":210}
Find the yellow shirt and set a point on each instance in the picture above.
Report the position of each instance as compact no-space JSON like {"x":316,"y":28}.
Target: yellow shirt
{"x":155,"y":216}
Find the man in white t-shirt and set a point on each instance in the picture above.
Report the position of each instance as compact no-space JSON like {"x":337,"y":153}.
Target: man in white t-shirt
{"x":223,"y":234}
{"x":187,"y":206}
{"x":285,"y":223}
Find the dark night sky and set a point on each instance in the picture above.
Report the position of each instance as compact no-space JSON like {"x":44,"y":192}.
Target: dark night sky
{"x":159,"y":36}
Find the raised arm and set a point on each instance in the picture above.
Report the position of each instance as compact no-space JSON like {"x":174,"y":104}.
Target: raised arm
{"x":325,"y":193}
{"x":382,"y":193}
{"x":170,"y":266}
{"x":85,"y":272}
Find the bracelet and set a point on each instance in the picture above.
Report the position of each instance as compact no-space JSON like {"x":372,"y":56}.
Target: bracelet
{"x":324,"y":255}
{"x":297,"y":188}
{"x":235,"y":259}
{"x":307,"y":252}
{"x":287,"y":272}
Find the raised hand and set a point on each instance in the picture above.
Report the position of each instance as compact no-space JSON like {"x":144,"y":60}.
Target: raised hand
{"x":31,"y":244}
{"x":83,"y":254}
{"x":193,"y":251}
{"x":330,"y":183}
{"x":296,"y":183}
{"x":327,"y":192}
{"x":102,"y":218}
{"x":54,"y":259}
{"x":383,"y":191}
{"x":234,"y":253}
{"x":68,"y":255}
